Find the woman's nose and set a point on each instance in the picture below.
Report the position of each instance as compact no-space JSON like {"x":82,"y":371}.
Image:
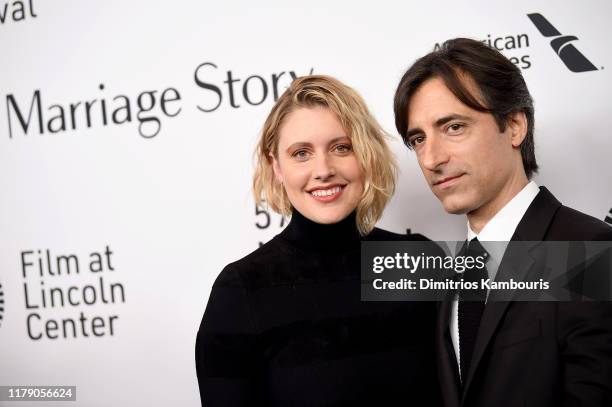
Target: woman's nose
{"x":323,"y":168}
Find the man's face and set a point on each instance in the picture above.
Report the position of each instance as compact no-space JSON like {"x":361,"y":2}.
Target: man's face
{"x":468,"y":163}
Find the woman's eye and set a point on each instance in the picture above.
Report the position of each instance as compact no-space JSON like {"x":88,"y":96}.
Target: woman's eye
{"x":343,"y":148}
{"x":300,"y":154}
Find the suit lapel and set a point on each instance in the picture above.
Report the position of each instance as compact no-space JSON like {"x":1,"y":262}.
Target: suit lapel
{"x":517,"y":263}
{"x":537,"y":219}
{"x":532,"y":228}
{"x":447,"y":362}
{"x":448,"y":370}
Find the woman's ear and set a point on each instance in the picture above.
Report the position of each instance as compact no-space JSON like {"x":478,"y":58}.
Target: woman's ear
{"x":276,"y":168}
{"x":517,"y":123}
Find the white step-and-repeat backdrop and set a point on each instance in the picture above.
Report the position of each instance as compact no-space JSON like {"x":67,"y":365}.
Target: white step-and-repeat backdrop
{"x":126,"y":138}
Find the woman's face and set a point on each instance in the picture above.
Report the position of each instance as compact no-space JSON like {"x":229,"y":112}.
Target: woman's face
{"x":317,"y":166}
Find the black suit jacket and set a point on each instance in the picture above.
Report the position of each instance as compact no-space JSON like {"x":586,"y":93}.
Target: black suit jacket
{"x":536,"y":353}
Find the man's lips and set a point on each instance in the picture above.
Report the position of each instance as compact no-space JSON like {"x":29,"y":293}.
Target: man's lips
{"x":447,"y":181}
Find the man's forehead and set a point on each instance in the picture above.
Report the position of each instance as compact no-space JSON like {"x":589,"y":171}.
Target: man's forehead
{"x":435,"y":99}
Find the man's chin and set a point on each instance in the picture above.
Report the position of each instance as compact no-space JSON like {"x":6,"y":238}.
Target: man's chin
{"x":454,"y":208}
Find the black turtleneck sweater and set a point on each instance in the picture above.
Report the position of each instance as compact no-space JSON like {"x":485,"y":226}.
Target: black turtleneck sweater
{"x":285,"y":326}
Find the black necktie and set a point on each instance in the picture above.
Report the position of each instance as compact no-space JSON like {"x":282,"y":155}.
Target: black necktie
{"x":470,"y":307}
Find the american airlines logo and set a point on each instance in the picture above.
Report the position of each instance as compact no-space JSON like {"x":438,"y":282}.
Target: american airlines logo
{"x":569,"y":54}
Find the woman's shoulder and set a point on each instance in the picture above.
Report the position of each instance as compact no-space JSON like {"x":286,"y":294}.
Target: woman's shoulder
{"x":384,"y":235}
{"x":249,"y":269}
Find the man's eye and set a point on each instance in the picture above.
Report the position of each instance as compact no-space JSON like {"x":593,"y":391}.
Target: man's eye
{"x":455,"y":127}
{"x":416,"y":140}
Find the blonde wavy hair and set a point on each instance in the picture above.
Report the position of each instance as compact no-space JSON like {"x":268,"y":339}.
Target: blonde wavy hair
{"x":367,"y":137}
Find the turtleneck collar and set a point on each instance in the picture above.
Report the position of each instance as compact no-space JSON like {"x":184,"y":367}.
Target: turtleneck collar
{"x":337,"y":237}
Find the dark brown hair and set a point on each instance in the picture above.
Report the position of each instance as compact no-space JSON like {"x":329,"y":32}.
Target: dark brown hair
{"x":502,"y":89}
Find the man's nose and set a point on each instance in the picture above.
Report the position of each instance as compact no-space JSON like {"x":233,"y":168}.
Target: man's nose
{"x":433,"y":154}
{"x":323,"y":167}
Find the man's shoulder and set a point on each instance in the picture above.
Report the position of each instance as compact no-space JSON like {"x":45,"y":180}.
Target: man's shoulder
{"x":570,"y":224}
{"x":381,"y":235}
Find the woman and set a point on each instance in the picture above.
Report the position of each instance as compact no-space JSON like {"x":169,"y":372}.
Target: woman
{"x":285,"y":326}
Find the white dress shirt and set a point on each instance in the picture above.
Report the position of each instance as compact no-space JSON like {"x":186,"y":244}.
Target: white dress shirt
{"x":499,"y":229}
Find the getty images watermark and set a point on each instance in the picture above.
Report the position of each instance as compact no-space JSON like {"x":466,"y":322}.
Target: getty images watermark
{"x":505,"y":271}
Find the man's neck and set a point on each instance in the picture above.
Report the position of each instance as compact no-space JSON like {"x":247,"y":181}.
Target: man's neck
{"x":479,"y":218}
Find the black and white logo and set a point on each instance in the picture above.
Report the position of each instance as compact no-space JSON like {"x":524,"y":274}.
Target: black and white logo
{"x":1,"y":304}
{"x":608,"y":218}
{"x":569,"y":54}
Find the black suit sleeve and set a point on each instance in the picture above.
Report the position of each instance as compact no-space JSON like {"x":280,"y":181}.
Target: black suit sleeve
{"x":586,"y":346}
{"x":586,"y":332}
{"x":227,"y":361}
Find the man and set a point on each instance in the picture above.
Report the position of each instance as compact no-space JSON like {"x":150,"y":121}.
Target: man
{"x":466,"y":112}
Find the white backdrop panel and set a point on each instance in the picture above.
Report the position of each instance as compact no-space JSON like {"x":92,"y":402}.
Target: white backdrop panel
{"x":166,"y":205}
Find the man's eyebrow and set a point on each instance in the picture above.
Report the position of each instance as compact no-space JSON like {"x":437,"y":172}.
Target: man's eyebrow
{"x":443,"y":120}
{"x":440,"y":122}
{"x":412,"y":132}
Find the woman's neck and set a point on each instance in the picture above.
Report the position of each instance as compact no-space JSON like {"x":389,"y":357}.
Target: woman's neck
{"x":309,"y":235}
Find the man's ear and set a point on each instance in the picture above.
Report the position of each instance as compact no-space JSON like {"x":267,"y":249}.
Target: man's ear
{"x":517,"y":124}
{"x":276,"y":168}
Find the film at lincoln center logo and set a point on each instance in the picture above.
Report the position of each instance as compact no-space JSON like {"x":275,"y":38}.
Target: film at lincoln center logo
{"x":561,"y":44}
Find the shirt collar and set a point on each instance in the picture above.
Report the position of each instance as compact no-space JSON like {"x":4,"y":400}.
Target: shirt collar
{"x":502,"y":226}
